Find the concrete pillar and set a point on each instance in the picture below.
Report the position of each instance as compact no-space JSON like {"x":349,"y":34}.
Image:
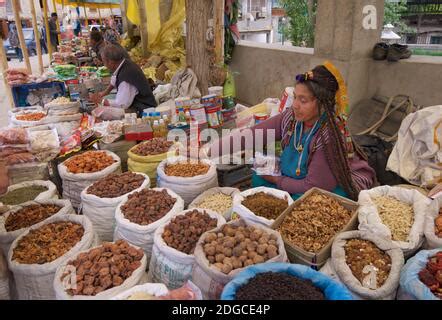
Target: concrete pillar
{"x":342,"y":38}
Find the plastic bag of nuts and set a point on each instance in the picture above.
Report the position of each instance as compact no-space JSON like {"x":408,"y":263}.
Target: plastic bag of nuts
{"x":75,"y":183}
{"x":169,"y":265}
{"x":364,"y":259}
{"x":217,"y":199}
{"x":101,"y":210}
{"x":28,"y":214}
{"x":35,"y":281}
{"x":143,"y":207}
{"x":242,"y":243}
{"x":102,"y":272}
{"x":190,"y":186}
{"x":240,"y":209}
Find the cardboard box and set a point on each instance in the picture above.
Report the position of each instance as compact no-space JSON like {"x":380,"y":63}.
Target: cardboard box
{"x":316,"y":260}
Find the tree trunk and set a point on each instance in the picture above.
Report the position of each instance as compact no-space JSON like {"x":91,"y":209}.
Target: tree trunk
{"x":197,"y":53}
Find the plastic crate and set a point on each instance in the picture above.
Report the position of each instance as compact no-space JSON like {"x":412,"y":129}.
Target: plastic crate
{"x":20,"y":92}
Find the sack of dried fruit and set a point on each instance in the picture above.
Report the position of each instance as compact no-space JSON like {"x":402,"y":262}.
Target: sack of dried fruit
{"x":174,"y":244}
{"x":417,"y":281}
{"x":17,"y":220}
{"x":140,"y":214}
{"x":145,"y":157}
{"x":4,"y":278}
{"x":100,"y":200}
{"x":27,"y":191}
{"x":80,"y":171}
{"x":394,"y":213}
{"x":224,"y":252}
{"x":187,"y":178}
{"x":218,"y":199}
{"x":261,"y":205}
{"x":283,"y":281}
{"x":367,"y":265}
{"x":101,"y":273}
{"x":35,"y":255}
{"x":433,"y":225}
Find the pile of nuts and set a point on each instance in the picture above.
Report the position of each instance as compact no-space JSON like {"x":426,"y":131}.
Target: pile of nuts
{"x":36,"y":116}
{"x":104,"y":267}
{"x":47,"y":243}
{"x":431,"y":276}
{"x":236,"y":247}
{"x":116,"y":185}
{"x":361,"y":253}
{"x":90,"y":161}
{"x":184,"y":231}
{"x":152,"y":147}
{"x":438,"y":225}
{"x":218,"y":202}
{"x":265,"y":205}
{"x":186,"y":169}
{"x":22,"y":195}
{"x":278,"y":286}
{"x":147,"y":206}
{"x":30,"y":215}
{"x":396,"y":215}
{"x":314,"y":222}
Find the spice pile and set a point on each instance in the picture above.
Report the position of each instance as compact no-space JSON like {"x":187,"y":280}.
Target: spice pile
{"x":265,"y":205}
{"x":186,"y":169}
{"x":361,"y":253}
{"x":438,"y":225}
{"x":431,"y":276}
{"x":152,"y":147}
{"x":218,"y":202}
{"x":22,"y":195}
{"x":116,"y":185}
{"x":47,"y":243}
{"x":147,"y":206}
{"x":314,"y":222}
{"x":236,"y":247}
{"x":104,"y":267}
{"x":30,"y":215}
{"x":278,"y":286}
{"x":396,"y":215}
{"x":91,"y":161}
{"x":35,"y":116}
{"x":184,"y":231}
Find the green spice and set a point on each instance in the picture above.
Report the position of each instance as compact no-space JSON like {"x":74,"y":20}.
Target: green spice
{"x":21,"y":195}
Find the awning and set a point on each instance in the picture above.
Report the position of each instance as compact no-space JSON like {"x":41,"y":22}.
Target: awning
{"x":102,"y":4}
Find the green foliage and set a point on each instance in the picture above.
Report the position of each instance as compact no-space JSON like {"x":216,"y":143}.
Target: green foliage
{"x":394,"y":11}
{"x":300,"y":29}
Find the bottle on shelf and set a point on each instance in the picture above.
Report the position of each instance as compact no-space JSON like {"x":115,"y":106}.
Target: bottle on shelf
{"x":188,"y":117}
{"x":156,"y":129}
{"x":181,"y":115}
{"x":163,"y":129}
{"x":166,"y":120}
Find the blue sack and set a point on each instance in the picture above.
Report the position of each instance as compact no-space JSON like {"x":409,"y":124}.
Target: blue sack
{"x":410,"y":287}
{"x":332,"y":289}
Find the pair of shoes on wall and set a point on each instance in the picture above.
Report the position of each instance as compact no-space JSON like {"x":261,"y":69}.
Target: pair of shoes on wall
{"x":393,"y":53}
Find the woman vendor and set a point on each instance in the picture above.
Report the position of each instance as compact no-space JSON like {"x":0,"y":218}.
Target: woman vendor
{"x":317,"y":148}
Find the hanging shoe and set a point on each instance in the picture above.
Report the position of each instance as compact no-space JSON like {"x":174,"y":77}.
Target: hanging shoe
{"x":380,"y":51}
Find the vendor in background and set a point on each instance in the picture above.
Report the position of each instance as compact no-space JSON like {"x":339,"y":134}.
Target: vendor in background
{"x":133,"y":90}
{"x":53,"y":31}
{"x":4,"y":178}
{"x":97,"y":45}
{"x":317,"y":148}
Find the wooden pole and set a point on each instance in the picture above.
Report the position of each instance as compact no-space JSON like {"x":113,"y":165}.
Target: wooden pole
{"x":48,"y":33}
{"x":24,"y":49}
{"x":85,"y":16}
{"x":58,"y":21}
{"x":3,"y":68}
{"x":99,"y":16}
{"x":219,"y":31}
{"x":37,"y":36}
{"x":143,"y":26}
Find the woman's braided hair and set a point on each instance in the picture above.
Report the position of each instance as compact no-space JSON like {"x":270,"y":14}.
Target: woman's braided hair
{"x":324,"y":86}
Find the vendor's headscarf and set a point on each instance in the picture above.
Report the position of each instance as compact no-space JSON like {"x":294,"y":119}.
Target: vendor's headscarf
{"x":328,"y":86}
{"x":111,"y":36}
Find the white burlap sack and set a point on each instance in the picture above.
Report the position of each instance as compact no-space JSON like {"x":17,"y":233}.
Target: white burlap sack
{"x":370,"y":221}
{"x":388,"y":290}
{"x":6,"y":238}
{"x":433,"y":241}
{"x":101,"y":211}
{"x":209,"y":279}
{"x":246,"y":214}
{"x":74,"y":184}
{"x":225,"y":190}
{"x":4,"y":278}
{"x":168,"y":265}
{"x":137,"y":277}
{"x":143,"y":236}
{"x":35,"y":281}
{"x":187,"y":188}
